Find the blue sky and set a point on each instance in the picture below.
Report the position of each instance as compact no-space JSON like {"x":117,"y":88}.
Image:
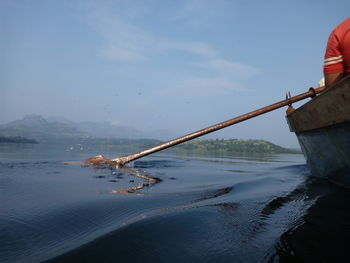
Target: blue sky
{"x":176,"y":65}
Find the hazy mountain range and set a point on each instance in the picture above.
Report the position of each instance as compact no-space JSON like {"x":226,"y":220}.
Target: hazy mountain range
{"x":39,"y":128}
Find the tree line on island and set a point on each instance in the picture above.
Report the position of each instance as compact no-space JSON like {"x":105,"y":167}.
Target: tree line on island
{"x":16,"y":139}
{"x":231,"y":146}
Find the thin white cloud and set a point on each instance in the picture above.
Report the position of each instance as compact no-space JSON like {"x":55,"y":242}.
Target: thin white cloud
{"x":201,"y":86}
{"x":230,"y":68}
{"x":125,"y":41}
{"x":205,"y":86}
{"x":201,"y":13}
{"x":122,"y":41}
{"x":116,"y":122}
{"x":196,"y":48}
{"x":115,"y":52}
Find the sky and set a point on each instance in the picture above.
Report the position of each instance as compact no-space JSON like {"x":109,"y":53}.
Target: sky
{"x":161,"y":64}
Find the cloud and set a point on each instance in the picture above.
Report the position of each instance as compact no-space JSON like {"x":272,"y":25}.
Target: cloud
{"x":204,"y":86}
{"x":115,"y":52}
{"x":230,"y":68}
{"x":122,"y":40}
{"x":125,"y":40}
{"x":202,"y":13}
{"x":116,"y":122}
{"x":197,"y":48}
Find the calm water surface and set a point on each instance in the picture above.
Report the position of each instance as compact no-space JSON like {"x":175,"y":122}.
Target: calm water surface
{"x":203,"y":209}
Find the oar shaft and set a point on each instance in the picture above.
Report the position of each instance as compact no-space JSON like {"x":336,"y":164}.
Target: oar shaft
{"x":125,"y":159}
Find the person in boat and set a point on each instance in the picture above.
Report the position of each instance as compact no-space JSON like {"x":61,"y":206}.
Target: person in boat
{"x":337,"y":57}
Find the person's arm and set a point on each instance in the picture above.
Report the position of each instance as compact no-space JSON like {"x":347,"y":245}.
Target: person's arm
{"x":331,"y":79}
{"x":333,"y":67}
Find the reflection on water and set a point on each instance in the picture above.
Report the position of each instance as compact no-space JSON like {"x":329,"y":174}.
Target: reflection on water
{"x":150,"y":180}
{"x":166,"y":208}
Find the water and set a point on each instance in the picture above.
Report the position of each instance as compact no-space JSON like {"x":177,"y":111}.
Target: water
{"x":265,"y":208}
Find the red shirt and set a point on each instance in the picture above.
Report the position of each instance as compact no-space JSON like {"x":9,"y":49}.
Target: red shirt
{"x":337,"y":58}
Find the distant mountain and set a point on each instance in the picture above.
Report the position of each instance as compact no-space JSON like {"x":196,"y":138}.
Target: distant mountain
{"x":38,"y":128}
{"x":107,"y":130}
{"x":110,"y":130}
{"x":59,"y":119}
{"x":44,"y":129}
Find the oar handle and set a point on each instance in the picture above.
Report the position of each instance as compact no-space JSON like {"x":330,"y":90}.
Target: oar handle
{"x":125,"y":159}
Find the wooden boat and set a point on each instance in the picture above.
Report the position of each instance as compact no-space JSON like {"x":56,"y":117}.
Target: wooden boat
{"x":322,"y":127}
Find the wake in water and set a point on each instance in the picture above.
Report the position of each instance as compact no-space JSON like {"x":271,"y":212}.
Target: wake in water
{"x":164,"y":209}
{"x":222,"y":225}
{"x":323,"y":232}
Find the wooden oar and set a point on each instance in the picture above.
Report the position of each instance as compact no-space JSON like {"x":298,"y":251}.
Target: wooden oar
{"x":120,"y":161}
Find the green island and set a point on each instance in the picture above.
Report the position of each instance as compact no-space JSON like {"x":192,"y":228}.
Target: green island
{"x":221,"y":147}
{"x":16,"y":139}
{"x":201,"y":147}
{"x":230,"y":147}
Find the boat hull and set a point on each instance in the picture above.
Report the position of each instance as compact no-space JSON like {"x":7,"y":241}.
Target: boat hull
{"x":327,"y":152}
{"x":322,"y":127}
